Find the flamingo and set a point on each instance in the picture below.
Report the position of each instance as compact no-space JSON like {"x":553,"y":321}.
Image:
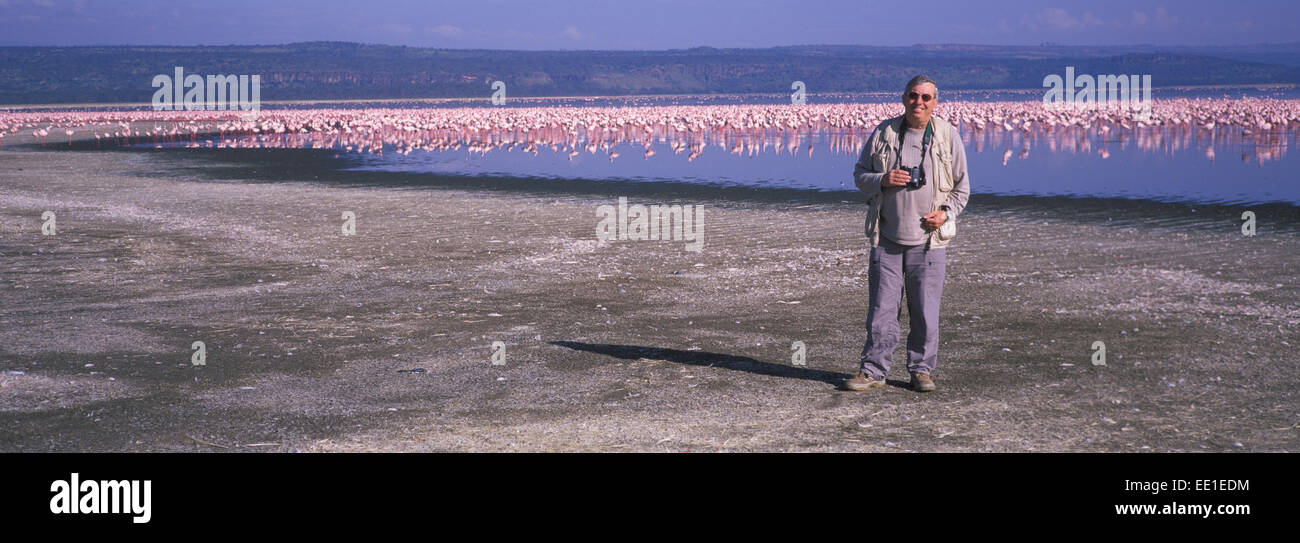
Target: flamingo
{"x":745,"y":130}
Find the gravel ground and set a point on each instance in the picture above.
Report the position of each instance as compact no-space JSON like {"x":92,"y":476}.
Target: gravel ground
{"x":310,"y":335}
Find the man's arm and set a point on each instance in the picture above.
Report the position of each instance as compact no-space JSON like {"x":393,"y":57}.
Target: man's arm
{"x":868,"y":181}
{"x":961,"y":180}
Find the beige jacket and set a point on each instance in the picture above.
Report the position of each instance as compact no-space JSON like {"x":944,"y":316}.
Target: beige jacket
{"x":879,"y":154}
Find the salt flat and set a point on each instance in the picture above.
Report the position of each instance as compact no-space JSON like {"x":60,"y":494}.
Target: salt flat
{"x":609,"y":346}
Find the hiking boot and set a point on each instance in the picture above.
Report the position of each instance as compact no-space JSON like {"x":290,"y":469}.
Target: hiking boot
{"x":862,"y":381}
{"x":921,"y":382}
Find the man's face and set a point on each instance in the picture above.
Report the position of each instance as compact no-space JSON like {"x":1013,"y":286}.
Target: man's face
{"x":918,"y":107}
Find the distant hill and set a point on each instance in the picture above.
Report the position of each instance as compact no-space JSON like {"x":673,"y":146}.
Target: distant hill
{"x":333,"y":70}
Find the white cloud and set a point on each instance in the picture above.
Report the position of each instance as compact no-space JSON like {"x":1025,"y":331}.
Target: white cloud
{"x":1139,"y":18}
{"x":571,"y":32}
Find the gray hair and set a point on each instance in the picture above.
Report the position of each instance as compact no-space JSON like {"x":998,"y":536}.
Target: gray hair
{"x":920,"y":80}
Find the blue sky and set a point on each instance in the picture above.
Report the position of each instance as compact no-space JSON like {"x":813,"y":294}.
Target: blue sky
{"x":649,"y":24}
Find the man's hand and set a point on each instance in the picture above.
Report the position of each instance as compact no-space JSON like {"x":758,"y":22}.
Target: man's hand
{"x":934,"y":219}
{"x":895,"y":178}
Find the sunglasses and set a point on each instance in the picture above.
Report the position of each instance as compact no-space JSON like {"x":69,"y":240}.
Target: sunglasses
{"x":924,"y":97}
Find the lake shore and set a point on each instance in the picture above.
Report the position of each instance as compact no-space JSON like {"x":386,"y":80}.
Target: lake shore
{"x":310,"y":336}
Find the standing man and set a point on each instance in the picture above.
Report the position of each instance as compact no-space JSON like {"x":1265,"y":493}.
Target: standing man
{"x":913,"y":171}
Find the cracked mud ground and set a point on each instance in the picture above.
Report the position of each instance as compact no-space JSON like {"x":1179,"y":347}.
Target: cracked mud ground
{"x":623,"y":346}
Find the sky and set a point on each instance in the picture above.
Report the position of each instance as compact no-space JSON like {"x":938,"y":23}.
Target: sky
{"x":646,"y":24}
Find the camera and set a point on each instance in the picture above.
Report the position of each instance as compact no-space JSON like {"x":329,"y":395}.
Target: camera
{"x":917,"y":179}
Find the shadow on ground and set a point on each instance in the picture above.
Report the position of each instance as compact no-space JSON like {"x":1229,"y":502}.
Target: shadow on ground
{"x":702,"y":358}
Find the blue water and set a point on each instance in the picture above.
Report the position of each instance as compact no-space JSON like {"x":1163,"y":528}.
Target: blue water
{"x":1225,"y":166}
{"x":1173,"y":168}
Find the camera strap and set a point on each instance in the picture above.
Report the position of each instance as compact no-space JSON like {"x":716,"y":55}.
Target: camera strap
{"x":925,"y":144}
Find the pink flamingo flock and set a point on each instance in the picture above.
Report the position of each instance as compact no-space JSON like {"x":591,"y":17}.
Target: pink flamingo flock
{"x":743,"y":130}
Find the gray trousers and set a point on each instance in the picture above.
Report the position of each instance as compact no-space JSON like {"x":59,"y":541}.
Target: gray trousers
{"x":893,"y":269}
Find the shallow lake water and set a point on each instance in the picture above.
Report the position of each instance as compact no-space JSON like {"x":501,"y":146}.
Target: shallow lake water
{"x":1189,"y":162}
{"x":1163,"y":164}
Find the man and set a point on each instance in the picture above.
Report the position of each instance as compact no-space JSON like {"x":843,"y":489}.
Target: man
{"x":913,"y":171}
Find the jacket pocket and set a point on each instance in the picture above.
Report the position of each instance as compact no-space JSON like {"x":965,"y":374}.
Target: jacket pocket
{"x":873,"y":216}
{"x":881,"y":162}
{"x":944,"y":158}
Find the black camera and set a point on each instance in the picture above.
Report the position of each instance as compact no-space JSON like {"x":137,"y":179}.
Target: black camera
{"x":917,"y":179}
